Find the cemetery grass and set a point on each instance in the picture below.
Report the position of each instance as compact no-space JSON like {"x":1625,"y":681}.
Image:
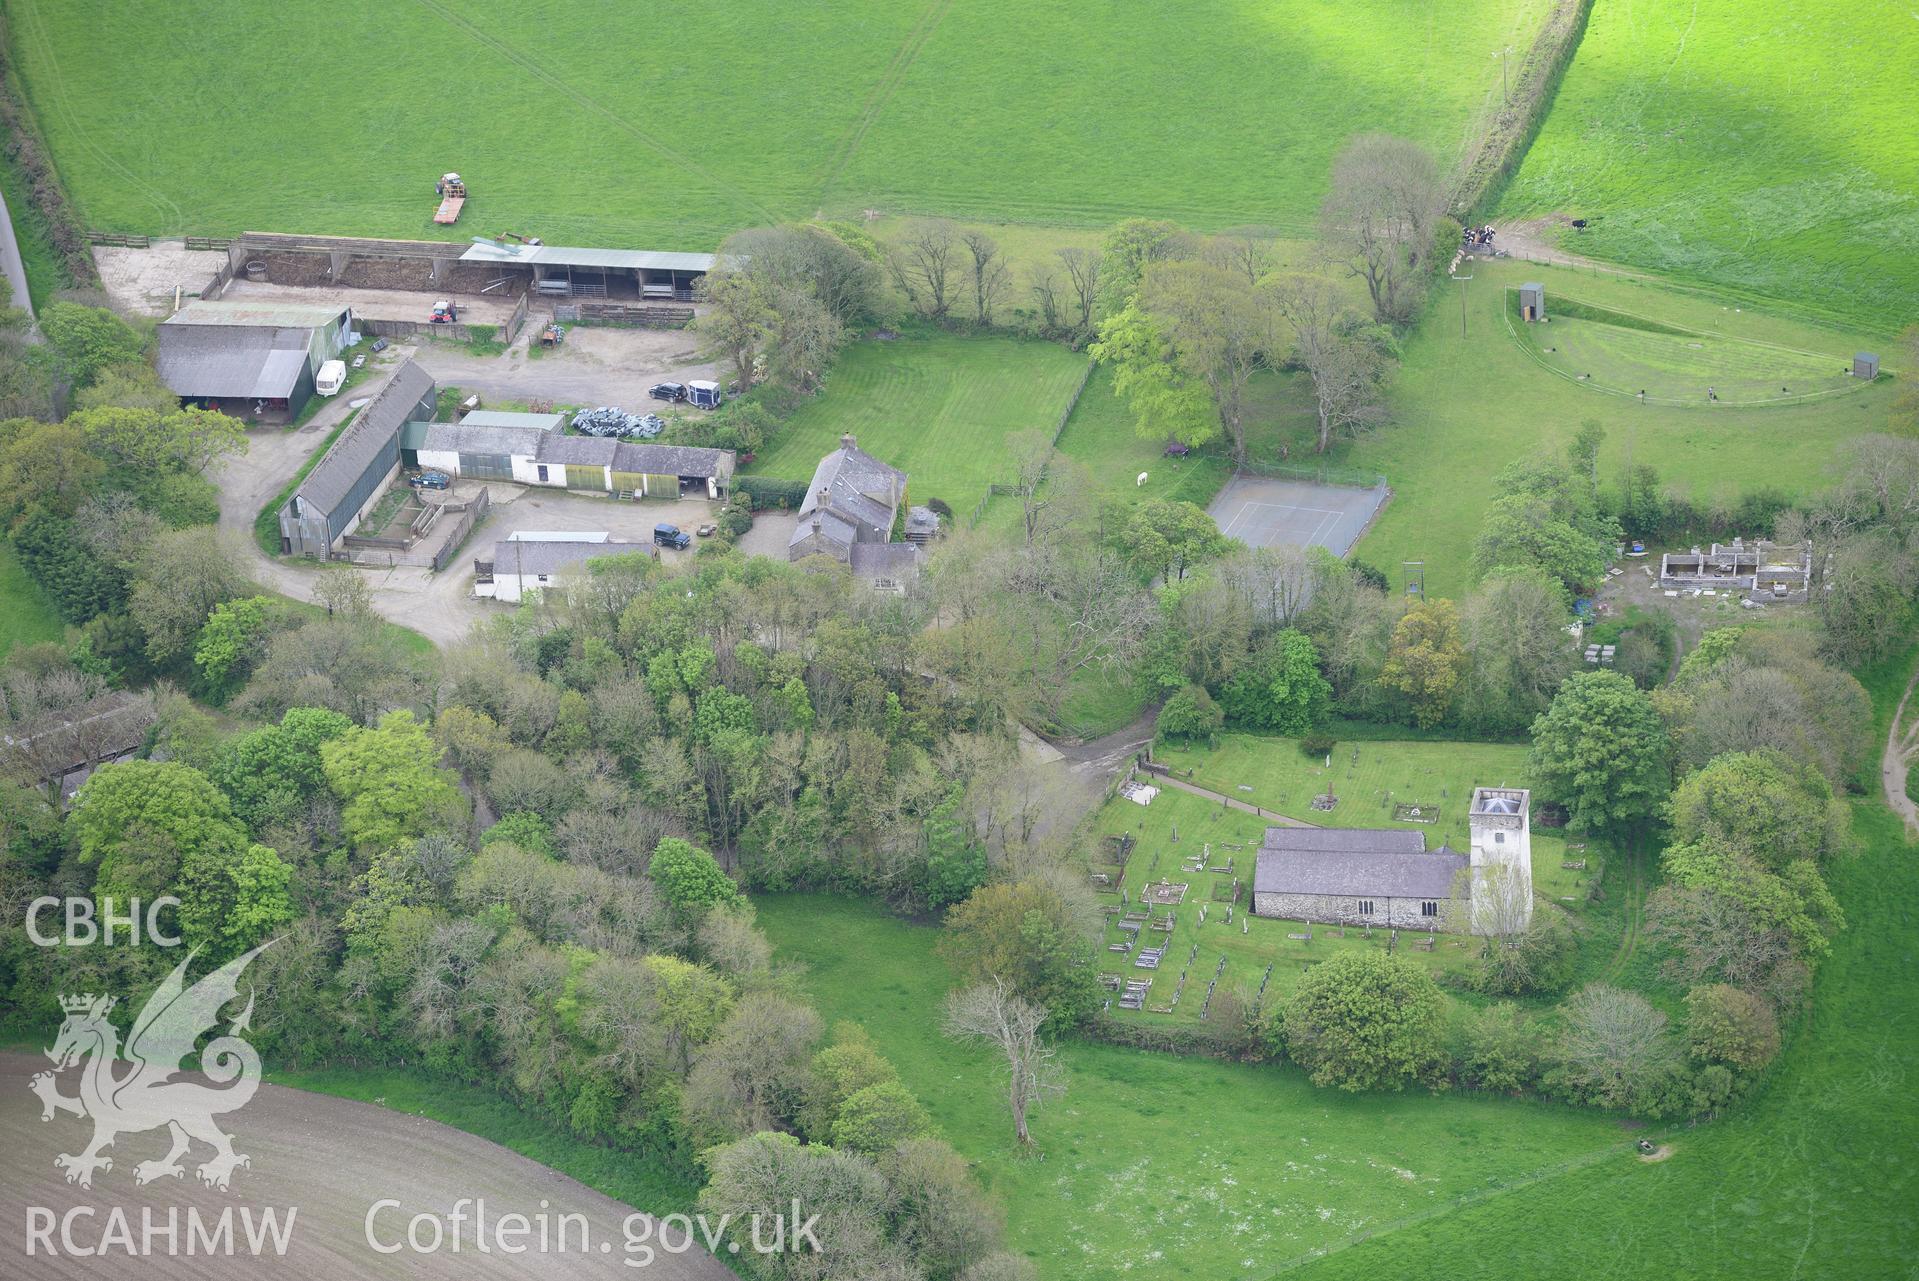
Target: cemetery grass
{"x":1231,"y":111}
{"x":1368,"y":778}
{"x":1753,"y":148}
{"x":1465,"y":408}
{"x":27,"y":617}
{"x":937,"y":406}
{"x":1164,"y":1166}
{"x":1813,"y":1177}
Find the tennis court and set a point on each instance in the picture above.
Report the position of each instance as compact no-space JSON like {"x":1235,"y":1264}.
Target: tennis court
{"x":1264,"y":512}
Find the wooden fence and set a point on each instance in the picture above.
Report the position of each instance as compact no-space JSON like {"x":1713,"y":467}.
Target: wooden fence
{"x":214,"y":243}
{"x":475,"y":513}
{"x":119,"y":241}
{"x":624,"y":314}
{"x":516,"y":322}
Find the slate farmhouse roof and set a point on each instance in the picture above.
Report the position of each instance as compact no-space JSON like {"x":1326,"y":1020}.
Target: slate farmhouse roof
{"x":855,"y":487}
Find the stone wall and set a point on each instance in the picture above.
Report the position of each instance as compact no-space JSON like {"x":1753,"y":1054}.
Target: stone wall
{"x":1402,"y":913}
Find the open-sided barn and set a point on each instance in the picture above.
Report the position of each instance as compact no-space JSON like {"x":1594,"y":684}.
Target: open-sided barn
{"x":248,"y":359}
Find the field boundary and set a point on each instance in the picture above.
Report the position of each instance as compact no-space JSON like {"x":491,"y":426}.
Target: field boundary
{"x":27,"y":147}
{"x":1059,"y":428}
{"x":1498,"y":151}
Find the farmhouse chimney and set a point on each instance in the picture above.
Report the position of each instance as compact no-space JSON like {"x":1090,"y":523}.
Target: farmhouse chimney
{"x":847,"y":441}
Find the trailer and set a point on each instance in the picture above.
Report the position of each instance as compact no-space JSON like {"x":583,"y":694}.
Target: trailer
{"x":703,"y":395}
{"x":452,"y":193}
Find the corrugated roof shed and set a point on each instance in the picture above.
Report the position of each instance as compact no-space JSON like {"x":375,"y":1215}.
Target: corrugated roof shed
{"x":248,"y":363}
{"x":467,"y":438}
{"x":261,"y":313}
{"x":505,"y":418}
{"x":673,"y":460}
{"x":376,"y":430}
{"x":1354,"y":863}
{"x":577,"y":451}
{"x":598,"y":259}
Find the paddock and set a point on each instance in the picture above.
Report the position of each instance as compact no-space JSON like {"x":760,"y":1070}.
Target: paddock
{"x":1262,"y":511}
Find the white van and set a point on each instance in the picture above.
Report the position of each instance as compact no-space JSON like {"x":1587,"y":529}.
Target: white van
{"x":331,"y":378}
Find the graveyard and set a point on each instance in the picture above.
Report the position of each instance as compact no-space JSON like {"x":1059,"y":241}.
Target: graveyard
{"x":1173,"y":876}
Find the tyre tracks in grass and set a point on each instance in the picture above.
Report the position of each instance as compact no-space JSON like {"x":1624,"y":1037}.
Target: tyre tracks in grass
{"x":882,"y":93}
{"x":553,"y":80}
{"x":1634,"y":908}
{"x":33,"y":29}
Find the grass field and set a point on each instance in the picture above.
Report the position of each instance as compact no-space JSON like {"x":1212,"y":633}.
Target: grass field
{"x":1754,"y":146}
{"x":1368,"y":778}
{"x":1216,"y":112}
{"x":26,"y":615}
{"x":1453,"y":431}
{"x":937,"y":407}
{"x":1159,"y":1166}
{"x":1622,"y":355}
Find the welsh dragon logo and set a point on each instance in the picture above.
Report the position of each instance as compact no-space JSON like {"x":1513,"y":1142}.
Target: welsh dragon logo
{"x":148,"y":1096}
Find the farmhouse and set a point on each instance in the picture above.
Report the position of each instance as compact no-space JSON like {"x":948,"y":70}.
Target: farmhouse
{"x":1360,"y":876}
{"x":356,"y":469}
{"x":532,"y":449}
{"x":250,"y":360}
{"x":526,"y":562}
{"x":854,"y":498}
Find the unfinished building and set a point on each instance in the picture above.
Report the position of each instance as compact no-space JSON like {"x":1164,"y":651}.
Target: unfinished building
{"x":1764,"y":572}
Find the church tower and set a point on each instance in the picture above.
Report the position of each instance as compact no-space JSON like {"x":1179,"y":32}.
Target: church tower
{"x":1502,"y":859}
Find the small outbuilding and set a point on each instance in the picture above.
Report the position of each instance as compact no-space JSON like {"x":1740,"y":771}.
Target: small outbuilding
{"x":529,"y":562}
{"x":1865,"y":365}
{"x":249,"y":359}
{"x":1532,"y":302}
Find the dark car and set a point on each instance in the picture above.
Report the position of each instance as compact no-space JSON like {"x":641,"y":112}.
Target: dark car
{"x":671,"y":536}
{"x":430,"y":480}
{"x":667,"y":391}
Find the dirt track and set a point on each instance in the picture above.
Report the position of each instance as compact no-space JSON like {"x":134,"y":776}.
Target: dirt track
{"x":330,"y":1160}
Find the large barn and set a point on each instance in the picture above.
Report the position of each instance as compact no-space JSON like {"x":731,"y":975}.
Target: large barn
{"x":1387,"y":877}
{"x":249,"y":359}
{"x":356,"y":469}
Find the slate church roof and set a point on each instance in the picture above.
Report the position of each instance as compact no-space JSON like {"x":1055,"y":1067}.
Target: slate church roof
{"x":1354,"y":863}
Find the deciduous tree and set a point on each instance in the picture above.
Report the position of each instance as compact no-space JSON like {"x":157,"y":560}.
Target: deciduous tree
{"x":1366,"y":1021}
{"x":991,"y":1012}
{"x":1601,"y":751}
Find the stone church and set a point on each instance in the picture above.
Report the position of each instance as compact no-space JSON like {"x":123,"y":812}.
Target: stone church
{"x":1387,"y":877}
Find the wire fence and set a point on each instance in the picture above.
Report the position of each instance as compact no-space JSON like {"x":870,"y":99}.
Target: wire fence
{"x":1316,"y":474}
{"x":1059,"y":426}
